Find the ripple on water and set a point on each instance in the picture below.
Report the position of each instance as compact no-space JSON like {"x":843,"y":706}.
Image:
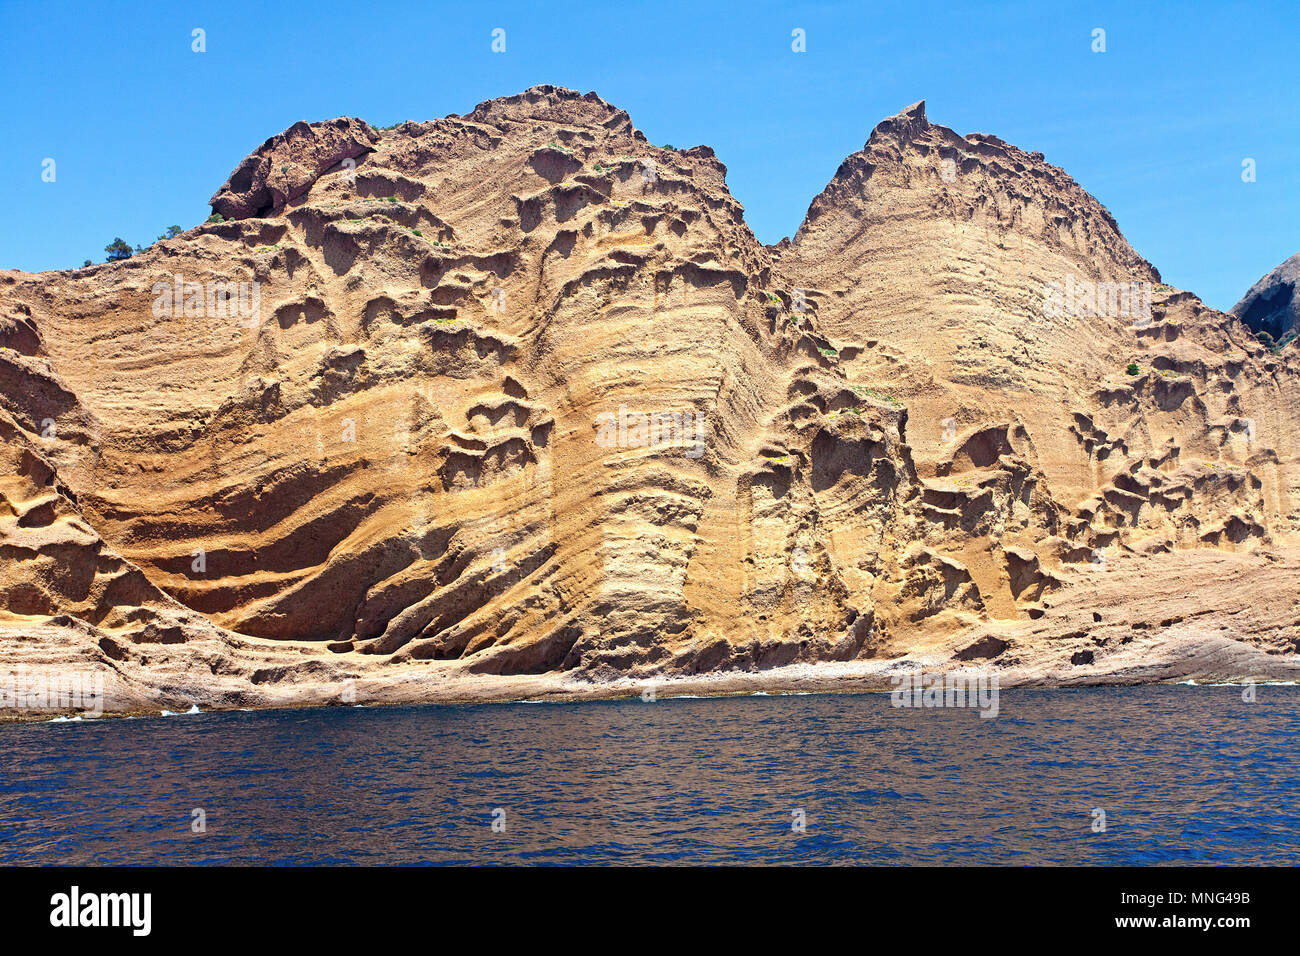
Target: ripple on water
{"x":1184,"y":775}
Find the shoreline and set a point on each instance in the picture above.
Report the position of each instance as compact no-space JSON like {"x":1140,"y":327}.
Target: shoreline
{"x":1206,"y":616}
{"x":807,"y":680}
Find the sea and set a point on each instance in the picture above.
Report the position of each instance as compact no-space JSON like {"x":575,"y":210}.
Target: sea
{"x":1174,"y":774}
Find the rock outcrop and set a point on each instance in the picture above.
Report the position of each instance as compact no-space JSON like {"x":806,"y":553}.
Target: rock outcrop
{"x":1272,"y":306}
{"x":516,"y":403}
{"x":286,"y":166}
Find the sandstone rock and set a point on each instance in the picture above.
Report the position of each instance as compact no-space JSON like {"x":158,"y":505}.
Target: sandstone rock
{"x":520,"y":406}
{"x":284,"y":167}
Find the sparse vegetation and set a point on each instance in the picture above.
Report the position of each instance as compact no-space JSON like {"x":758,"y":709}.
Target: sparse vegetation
{"x":878,"y":396}
{"x":1275,"y":346}
{"x":216,"y":217}
{"x":118,"y":249}
{"x":1133,"y":368}
{"x":855,"y":410}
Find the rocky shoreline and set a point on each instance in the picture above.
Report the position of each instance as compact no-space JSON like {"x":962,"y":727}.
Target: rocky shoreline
{"x":1206,"y":616}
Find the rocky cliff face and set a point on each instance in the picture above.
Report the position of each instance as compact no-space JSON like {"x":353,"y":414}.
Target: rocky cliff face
{"x":1272,"y":306}
{"x":518,"y":393}
{"x":1063,"y":403}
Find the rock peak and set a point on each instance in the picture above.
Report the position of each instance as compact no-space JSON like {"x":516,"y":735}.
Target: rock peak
{"x":285,"y":166}
{"x":902,"y":126}
{"x":551,"y":104}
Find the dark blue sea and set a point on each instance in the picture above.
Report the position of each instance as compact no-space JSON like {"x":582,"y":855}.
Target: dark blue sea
{"x":1187,"y":775}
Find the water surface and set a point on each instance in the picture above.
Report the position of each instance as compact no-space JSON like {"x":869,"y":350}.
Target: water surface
{"x":1184,"y":775}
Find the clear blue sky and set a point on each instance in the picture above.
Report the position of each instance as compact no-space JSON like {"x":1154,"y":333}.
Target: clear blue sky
{"x":143,"y":130}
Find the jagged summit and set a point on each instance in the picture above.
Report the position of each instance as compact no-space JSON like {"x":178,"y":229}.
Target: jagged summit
{"x":553,"y":104}
{"x":284,"y":167}
{"x":978,"y":176}
{"x":902,"y":125}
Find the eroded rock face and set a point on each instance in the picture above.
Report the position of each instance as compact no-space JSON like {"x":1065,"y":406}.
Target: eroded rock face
{"x":520,"y":393}
{"x":1273,"y":305}
{"x":1045,"y":437}
{"x":284,"y":167}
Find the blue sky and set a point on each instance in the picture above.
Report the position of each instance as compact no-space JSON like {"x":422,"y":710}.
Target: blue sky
{"x":143,"y":130}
